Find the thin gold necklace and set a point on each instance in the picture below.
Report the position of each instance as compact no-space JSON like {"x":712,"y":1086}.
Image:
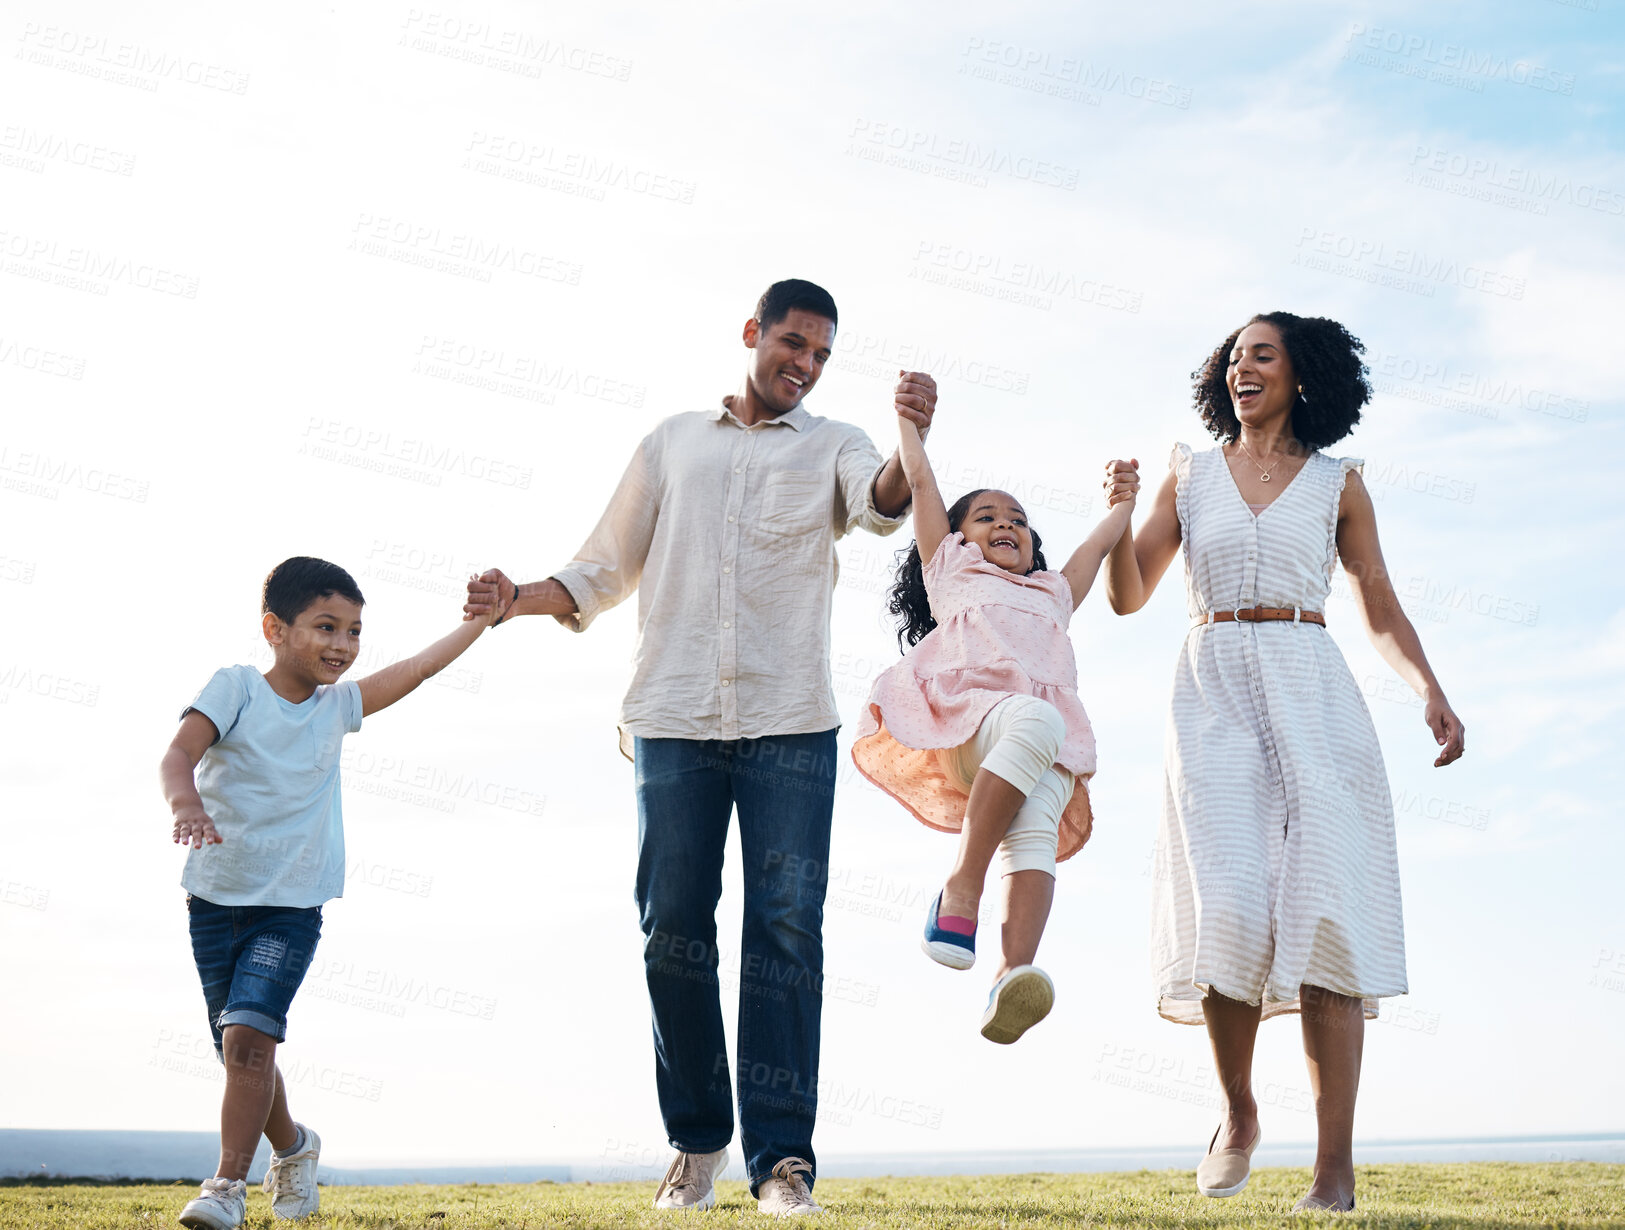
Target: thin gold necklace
{"x":1263,"y":474}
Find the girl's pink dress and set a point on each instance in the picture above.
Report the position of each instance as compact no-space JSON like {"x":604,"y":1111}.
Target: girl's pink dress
{"x":997,"y":635}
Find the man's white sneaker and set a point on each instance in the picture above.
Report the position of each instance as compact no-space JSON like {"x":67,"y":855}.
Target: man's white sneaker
{"x":786,"y":1194}
{"x":219,"y":1206}
{"x":291,"y":1180}
{"x":691,"y":1181}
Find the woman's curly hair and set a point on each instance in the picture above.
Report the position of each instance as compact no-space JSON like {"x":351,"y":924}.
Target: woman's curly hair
{"x":908,"y":600}
{"x":1326,"y":360}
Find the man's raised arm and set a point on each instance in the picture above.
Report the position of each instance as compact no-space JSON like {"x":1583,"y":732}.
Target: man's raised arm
{"x":915,"y":398}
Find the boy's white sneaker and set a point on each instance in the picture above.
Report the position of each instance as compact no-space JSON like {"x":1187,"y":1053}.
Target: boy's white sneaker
{"x":691,"y":1181}
{"x":219,"y":1206}
{"x":786,"y":1194}
{"x":291,"y":1180}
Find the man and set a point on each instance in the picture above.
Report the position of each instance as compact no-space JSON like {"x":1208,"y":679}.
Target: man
{"x":725,"y":522}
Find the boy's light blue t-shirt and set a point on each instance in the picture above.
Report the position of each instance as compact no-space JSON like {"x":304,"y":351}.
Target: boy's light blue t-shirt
{"x":270,"y":783}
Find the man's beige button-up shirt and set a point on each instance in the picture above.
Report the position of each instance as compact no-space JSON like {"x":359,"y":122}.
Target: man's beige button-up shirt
{"x":728,"y":534}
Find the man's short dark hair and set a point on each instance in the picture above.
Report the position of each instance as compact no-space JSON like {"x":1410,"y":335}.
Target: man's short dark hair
{"x":296,"y":583}
{"x":782,"y":298}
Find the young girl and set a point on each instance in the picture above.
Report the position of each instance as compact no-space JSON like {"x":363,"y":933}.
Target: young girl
{"x":979,"y":730}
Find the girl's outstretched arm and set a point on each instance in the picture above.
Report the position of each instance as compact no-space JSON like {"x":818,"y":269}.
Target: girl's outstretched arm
{"x":1085,"y":563}
{"x":930,"y":513}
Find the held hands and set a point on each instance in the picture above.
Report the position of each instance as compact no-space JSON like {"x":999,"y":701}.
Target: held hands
{"x":915,"y":399}
{"x":1122,"y":482}
{"x":1448,"y":732}
{"x":194,"y":828}
{"x":491,"y":596}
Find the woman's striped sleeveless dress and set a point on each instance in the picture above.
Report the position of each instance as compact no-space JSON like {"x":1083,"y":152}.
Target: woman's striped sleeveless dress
{"x":1275,"y":866}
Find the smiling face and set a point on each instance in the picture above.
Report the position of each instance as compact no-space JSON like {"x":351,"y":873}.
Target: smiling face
{"x":319,"y":645}
{"x":787,"y":357}
{"x":1263,"y":386}
{"x":997,"y":523}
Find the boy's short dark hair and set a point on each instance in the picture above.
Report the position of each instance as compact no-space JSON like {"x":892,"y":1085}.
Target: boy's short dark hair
{"x":295,"y":583}
{"x":782,"y":298}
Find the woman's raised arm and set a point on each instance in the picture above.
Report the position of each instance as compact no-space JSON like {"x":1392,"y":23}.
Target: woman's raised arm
{"x":1138,"y":561}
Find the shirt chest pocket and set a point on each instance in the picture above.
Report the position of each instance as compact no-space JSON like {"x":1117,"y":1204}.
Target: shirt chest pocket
{"x":796,"y":502}
{"x":325,"y":742}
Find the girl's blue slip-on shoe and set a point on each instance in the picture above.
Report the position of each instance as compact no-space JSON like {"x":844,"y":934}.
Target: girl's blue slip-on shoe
{"x":945,"y":945}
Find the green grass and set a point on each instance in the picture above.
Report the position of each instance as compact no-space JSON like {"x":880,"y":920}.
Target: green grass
{"x":1479,"y":1195}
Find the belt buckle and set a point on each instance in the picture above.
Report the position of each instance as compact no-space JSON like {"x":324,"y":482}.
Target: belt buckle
{"x":1236,"y":615}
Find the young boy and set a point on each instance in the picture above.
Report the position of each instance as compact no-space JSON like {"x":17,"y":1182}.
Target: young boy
{"x":266,"y":850}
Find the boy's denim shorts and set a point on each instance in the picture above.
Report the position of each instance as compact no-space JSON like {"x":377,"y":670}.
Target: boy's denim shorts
{"x":251,"y":959}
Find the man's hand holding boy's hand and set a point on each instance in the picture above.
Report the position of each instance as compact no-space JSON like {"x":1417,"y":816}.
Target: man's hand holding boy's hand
{"x":490,"y":596}
{"x":194,"y":828}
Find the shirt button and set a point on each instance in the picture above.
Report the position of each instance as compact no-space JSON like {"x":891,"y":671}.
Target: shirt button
{"x":739,"y":469}
{"x":730,"y":520}
{"x":725,"y":568}
{"x":727,"y":623}
{"x":726,"y":682}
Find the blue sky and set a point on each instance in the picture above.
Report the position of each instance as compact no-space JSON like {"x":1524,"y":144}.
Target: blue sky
{"x":1067,"y":209}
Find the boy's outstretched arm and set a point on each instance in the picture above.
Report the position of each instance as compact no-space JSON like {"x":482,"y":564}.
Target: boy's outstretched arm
{"x":1081,"y":570}
{"x":383,"y":688}
{"x":192,"y":824}
{"x":930,"y":514}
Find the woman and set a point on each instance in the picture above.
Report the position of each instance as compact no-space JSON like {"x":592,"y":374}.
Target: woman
{"x":1277,"y":888}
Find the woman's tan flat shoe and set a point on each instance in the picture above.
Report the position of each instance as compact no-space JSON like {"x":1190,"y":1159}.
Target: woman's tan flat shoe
{"x":1316,"y":1204}
{"x":1226,"y":1172}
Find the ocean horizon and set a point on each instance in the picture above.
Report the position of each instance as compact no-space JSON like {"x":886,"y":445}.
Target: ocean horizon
{"x":167,"y":1156}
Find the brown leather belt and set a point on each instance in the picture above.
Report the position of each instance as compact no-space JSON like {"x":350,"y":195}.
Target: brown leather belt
{"x":1259,"y":614}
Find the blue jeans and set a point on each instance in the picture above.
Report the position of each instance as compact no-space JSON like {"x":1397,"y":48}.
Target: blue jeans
{"x":251,"y":959}
{"x":784,"y":790}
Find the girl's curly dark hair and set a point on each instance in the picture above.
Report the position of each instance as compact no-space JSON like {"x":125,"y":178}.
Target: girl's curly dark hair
{"x":908,"y":600}
{"x":1326,"y":360}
